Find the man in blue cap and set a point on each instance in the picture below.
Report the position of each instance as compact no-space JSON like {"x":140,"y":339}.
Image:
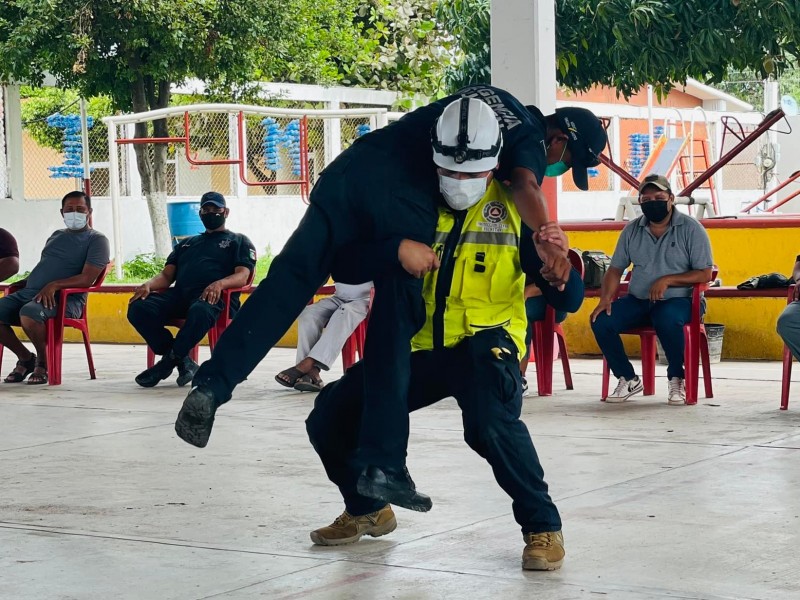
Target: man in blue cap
{"x":201,"y":267}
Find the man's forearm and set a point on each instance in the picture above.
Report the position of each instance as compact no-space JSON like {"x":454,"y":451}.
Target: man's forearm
{"x":159,"y":282}
{"x":690,"y":277}
{"x":610,"y":285}
{"x":236,"y":280}
{"x":76,"y":281}
{"x":531,"y":204}
{"x":796,"y":271}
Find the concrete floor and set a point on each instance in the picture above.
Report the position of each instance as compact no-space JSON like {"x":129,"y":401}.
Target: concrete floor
{"x":99,"y":499}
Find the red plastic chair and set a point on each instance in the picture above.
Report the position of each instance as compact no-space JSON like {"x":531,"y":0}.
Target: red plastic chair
{"x":542,"y":351}
{"x":786,"y":380}
{"x":357,"y":341}
{"x":217,"y":329}
{"x":695,"y":351}
{"x":55,"y":329}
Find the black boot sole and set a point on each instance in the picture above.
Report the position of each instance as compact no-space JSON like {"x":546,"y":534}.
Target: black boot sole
{"x":196,"y":418}
{"x":187,"y":377}
{"x":404,"y":498}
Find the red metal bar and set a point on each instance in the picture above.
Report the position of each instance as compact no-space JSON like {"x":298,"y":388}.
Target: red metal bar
{"x":203,"y":163}
{"x":152,"y":140}
{"x":784,"y":201}
{"x":626,"y":177}
{"x":243,"y":157}
{"x":769,"y":121}
{"x":304,"y":170}
{"x":763,"y":198}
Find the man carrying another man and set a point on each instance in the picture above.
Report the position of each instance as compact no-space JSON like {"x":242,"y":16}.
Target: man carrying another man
{"x":469,"y":348}
{"x":72,"y":257}
{"x":669,"y":252}
{"x":201,"y":267}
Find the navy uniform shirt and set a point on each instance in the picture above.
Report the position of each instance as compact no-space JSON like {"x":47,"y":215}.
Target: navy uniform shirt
{"x":203,"y":259}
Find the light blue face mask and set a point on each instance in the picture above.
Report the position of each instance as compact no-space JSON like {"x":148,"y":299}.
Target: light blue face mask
{"x":557,"y":168}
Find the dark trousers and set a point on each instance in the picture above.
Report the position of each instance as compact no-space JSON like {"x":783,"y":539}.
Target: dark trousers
{"x":488,"y":391}
{"x":348,"y":207}
{"x":149,"y":317}
{"x":667,"y":317}
{"x":534,"y":310}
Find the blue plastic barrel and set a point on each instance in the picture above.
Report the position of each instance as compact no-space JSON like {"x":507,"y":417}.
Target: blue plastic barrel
{"x":184,"y":219}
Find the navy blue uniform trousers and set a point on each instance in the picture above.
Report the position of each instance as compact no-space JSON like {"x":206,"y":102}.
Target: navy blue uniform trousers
{"x":365,"y":195}
{"x":488,"y":390}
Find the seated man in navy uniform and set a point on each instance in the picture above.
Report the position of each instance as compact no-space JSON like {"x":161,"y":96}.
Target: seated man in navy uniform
{"x":201,"y":267}
{"x":468,"y":348}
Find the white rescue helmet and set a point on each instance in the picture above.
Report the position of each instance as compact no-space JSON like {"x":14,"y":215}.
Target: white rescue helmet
{"x":466,"y":137}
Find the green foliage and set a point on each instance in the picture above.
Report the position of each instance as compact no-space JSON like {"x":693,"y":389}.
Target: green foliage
{"x":468,"y":21}
{"x":141,"y":268}
{"x":40,"y":103}
{"x":628,"y":44}
{"x":263,"y":264}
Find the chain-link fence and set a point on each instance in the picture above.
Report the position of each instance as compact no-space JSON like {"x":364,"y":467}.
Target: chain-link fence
{"x":264,"y":153}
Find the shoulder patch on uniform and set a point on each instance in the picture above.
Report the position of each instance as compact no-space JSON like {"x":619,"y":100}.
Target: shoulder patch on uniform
{"x":494,"y":212}
{"x":252,"y":254}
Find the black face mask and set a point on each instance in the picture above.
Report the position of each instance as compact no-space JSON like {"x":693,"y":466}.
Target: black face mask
{"x":655,"y":210}
{"x":212,"y":221}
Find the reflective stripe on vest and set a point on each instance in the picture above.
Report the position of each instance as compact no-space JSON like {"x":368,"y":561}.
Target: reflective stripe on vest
{"x":487,"y":285}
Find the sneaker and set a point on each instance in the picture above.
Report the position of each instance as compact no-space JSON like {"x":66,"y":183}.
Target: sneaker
{"x":347,"y":529}
{"x":158,"y":372}
{"x":196,"y":417}
{"x":543,"y":551}
{"x":625,"y":389}
{"x":187,"y":369}
{"x":677,"y":391}
{"x":524,"y":386}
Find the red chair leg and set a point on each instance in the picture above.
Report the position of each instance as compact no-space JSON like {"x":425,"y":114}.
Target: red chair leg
{"x":151,"y":357}
{"x":691,"y":363}
{"x":349,"y":352}
{"x":194,"y":353}
{"x":786,"y":381}
{"x":89,"y":359}
{"x":543,"y":335}
{"x":562,"y":350}
{"x":54,"y":348}
{"x":649,"y":363}
{"x":705,"y":358}
{"x":606,"y":377}
{"x":1,"y":356}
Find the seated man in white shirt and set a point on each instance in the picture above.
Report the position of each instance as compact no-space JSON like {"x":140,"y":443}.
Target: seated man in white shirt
{"x":323,"y":328}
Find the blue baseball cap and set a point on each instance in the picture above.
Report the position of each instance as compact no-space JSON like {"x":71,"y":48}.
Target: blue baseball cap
{"x":214,"y":198}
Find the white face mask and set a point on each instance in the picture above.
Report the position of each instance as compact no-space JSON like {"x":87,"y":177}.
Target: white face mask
{"x":75,"y":220}
{"x":461,"y":194}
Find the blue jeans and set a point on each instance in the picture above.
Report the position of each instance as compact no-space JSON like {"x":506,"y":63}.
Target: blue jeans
{"x":534,"y":309}
{"x":667,"y":317}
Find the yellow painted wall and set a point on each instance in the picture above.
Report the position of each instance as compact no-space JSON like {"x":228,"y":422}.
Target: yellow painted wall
{"x":108,"y":322}
{"x":740,"y":254}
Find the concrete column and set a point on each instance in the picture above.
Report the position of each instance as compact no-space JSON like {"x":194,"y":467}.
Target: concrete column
{"x":13,"y":114}
{"x":523,"y":40}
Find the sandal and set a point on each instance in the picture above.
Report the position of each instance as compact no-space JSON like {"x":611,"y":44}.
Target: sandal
{"x":39,"y":375}
{"x":19,"y":376}
{"x":308,"y":383}
{"x":292,"y":374}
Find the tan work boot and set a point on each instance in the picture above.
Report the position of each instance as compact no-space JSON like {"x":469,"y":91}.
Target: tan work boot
{"x":543,"y":551}
{"x":347,"y":529}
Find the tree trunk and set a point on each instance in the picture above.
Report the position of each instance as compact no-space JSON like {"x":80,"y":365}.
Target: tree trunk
{"x":151,"y":159}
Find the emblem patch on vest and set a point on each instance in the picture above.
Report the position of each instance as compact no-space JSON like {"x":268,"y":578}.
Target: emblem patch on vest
{"x":494,"y":212}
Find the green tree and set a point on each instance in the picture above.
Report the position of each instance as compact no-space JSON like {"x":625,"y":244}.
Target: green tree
{"x":628,"y":44}
{"x":132,"y":51}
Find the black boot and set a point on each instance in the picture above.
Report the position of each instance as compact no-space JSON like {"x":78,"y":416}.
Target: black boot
{"x":186,"y":370}
{"x":394,"y":486}
{"x":158,"y":372}
{"x":196,"y":417}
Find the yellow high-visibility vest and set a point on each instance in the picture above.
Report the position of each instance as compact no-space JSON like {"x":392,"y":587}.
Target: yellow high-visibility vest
{"x":480,"y":283}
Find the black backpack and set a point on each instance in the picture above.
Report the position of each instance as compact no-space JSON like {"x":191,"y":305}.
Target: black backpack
{"x":595,"y":265}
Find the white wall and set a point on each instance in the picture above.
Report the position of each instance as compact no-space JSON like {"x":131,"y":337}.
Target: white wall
{"x":266,"y":221}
